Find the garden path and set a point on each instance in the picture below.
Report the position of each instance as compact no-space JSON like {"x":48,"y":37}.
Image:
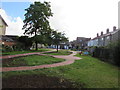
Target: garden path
{"x":69,"y":59}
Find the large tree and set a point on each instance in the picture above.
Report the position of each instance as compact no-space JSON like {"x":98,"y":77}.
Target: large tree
{"x":36,"y":19}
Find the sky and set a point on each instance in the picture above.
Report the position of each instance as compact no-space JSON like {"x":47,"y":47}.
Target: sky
{"x":77,"y":18}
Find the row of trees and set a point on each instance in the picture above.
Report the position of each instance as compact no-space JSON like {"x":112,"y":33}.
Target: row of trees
{"x":36,"y":23}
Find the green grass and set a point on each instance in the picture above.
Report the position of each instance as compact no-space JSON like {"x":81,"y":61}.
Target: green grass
{"x":22,"y":52}
{"x":32,"y":60}
{"x":60,"y":52}
{"x":88,"y":71}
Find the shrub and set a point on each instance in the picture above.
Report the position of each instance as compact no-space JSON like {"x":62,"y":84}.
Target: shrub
{"x":25,"y":42}
{"x":6,"y":48}
{"x":18,"y":47}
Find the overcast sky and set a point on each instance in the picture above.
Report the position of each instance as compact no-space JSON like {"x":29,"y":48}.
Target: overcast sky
{"x":77,"y":18}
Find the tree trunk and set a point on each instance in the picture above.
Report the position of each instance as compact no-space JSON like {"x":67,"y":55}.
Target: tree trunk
{"x":57,"y":48}
{"x":36,"y":46}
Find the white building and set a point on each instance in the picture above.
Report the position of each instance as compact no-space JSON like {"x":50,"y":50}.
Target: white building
{"x":3,"y":26}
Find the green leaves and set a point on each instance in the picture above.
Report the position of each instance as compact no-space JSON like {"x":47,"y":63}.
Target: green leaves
{"x":36,"y":22}
{"x":36,"y":18}
{"x":58,"y":37}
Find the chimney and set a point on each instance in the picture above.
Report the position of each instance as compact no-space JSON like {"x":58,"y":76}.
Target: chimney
{"x":97,"y":34}
{"x":107,"y":31}
{"x":101,"y":33}
{"x":114,"y":28}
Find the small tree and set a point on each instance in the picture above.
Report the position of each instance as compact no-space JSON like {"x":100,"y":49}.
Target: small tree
{"x":58,"y":37}
{"x":36,"y":19}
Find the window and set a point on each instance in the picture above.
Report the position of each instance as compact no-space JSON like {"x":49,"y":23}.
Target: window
{"x":80,"y":40}
{"x":101,"y":38}
{"x":108,"y":37}
{"x":82,"y":44}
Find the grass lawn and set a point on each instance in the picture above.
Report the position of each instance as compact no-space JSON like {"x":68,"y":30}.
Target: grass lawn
{"x":22,"y":52}
{"x":88,"y":72}
{"x":30,"y":61}
{"x":60,"y":52}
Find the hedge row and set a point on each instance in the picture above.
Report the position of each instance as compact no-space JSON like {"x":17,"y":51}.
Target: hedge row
{"x":111,"y":53}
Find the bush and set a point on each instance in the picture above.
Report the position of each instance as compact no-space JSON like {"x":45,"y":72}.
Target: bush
{"x":18,"y":47}
{"x":26,"y":42}
{"x":6,"y":48}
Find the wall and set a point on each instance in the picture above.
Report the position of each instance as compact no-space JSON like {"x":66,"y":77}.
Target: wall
{"x":2,"y":27}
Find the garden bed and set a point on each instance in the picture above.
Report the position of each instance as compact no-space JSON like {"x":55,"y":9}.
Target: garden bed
{"x":36,"y":81}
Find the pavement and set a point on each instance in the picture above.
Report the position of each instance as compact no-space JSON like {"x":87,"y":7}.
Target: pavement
{"x":69,"y":59}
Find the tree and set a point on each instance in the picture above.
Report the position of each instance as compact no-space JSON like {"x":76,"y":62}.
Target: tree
{"x":58,"y":37}
{"x":36,"y":19}
{"x":26,"y":41}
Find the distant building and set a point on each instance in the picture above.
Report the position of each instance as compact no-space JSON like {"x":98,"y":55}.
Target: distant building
{"x":79,"y":43}
{"x":8,"y":40}
{"x":105,"y":39}
{"x":82,"y":42}
{"x":3,"y":26}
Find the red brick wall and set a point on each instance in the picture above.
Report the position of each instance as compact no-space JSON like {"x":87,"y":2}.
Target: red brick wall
{"x":8,"y":43}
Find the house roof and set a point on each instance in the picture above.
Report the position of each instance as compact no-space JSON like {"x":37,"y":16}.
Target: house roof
{"x":3,"y":20}
{"x":107,"y":34}
{"x":5,"y":38}
{"x":12,"y":37}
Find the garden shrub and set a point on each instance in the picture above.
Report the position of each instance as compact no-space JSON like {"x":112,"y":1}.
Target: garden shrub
{"x":18,"y":47}
{"x":26,"y":42}
{"x":6,"y":48}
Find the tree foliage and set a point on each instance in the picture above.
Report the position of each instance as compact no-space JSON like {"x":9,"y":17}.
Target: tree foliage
{"x":36,"y":20}
{"x":58,"y":37}
{"x":26,"y":41}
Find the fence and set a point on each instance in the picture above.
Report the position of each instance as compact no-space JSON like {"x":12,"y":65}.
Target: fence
{"x":109,"y":54}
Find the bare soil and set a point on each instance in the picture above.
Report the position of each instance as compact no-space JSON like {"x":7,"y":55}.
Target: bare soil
{"x":37,"y":81}
{"x":9,"y":62}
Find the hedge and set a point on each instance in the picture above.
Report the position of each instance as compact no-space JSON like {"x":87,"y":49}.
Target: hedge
{"x":110,"y":54}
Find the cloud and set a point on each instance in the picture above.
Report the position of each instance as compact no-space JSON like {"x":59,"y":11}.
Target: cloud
{"x":78,"y":18}
{"x":15,"y":24}
{"x":83,"y":18}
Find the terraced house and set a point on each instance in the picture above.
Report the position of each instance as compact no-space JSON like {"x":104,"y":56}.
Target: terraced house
{"x":105,"y":39}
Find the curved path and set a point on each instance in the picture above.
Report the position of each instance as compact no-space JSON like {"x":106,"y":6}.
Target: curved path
{"x":69,"y":60}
